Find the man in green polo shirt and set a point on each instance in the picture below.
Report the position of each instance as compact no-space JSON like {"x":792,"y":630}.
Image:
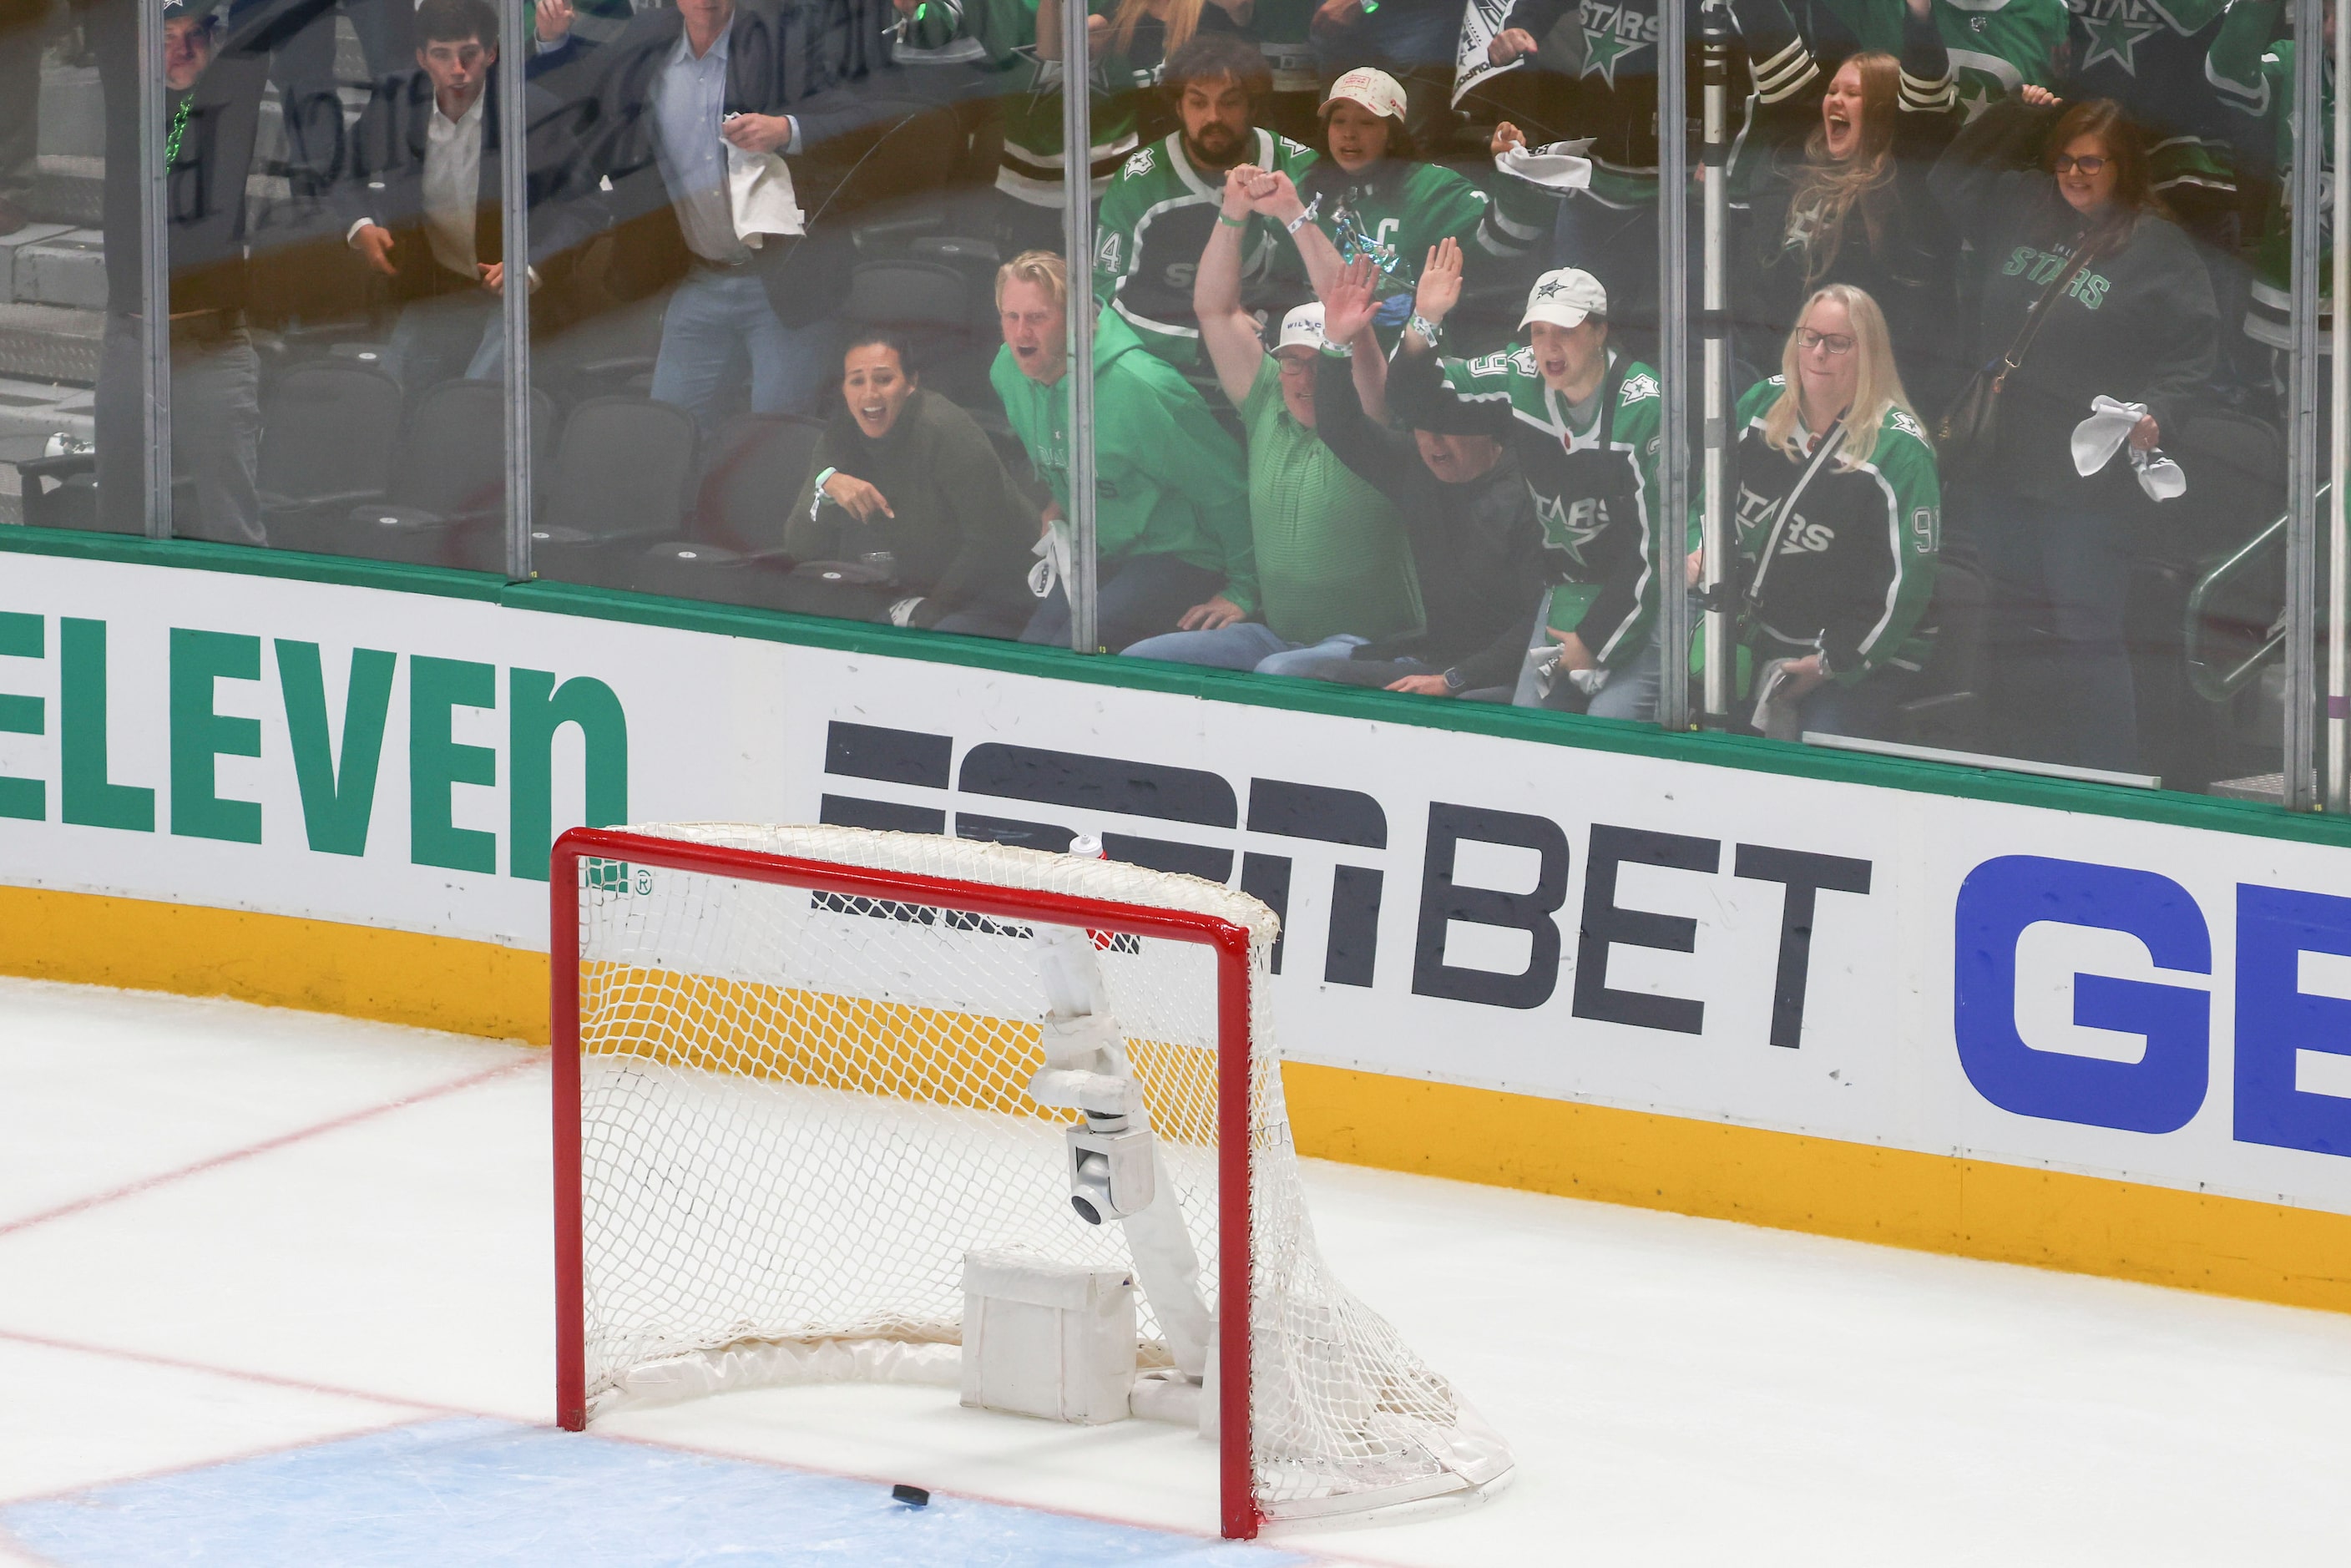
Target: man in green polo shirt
{"x":1332,"y":555}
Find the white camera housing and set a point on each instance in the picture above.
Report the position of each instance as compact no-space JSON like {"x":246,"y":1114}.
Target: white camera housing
{"x":1110,"y":1172}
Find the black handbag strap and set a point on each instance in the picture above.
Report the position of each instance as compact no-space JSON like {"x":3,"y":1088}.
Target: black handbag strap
{"x":2016,"y":351}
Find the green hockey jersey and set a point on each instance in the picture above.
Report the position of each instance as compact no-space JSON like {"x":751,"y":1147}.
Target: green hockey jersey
{"x":1999,"y":46}
{"x":1838,"y":561}
{"x":1155,"y":222}
{"x":1594,"y":489}
{"x":2255,"y":77}
{"x":1028,"y":91}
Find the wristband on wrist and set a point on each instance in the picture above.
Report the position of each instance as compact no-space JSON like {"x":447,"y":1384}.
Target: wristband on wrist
{"x":825,"y":478}
{"x":1294,"y":224}
{"x":1232,"y":222}
{"x":1430,"y":332}
{"x":1332,"y":351}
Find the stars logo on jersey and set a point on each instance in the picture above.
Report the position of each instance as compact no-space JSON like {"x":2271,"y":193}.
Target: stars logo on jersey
{"x":2115,"y":38}
{"x":1610,"y":33}
{"x":1977,"y":96}
{"x":1602,"y":50}
{"x":1569,"y":525}
{"x":1640,"y":386}
{"x":1905,"y":423}
{"x":1136,"y":167}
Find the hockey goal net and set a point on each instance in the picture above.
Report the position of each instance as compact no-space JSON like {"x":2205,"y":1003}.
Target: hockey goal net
{"x":794,"y":1089}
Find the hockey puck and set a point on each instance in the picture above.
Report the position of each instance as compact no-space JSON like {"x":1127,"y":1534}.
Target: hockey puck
{"x":913,"y":1497}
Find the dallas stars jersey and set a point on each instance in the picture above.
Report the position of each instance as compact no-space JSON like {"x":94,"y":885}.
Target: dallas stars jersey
{"x":2148,"y":57}
{"x":1028,"y":93}
{"x":1595,"y":490}
{"x":1400,"y":211}
{"x":1836,"y":561}
{"x":2256,"y":78}
{"x":1614,"y":98}
{"x":1156,"y":221}
{"x":1999,"y":46}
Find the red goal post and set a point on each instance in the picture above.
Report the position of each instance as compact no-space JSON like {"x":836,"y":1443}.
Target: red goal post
{"x":792,"y":1094}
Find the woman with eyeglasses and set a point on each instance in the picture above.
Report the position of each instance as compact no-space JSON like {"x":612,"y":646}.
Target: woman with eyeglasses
{"x":2130,"y":315}
{"x":1838,"y":523}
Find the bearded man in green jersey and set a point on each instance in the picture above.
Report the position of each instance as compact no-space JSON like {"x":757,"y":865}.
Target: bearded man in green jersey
{"x":1160,"y":211}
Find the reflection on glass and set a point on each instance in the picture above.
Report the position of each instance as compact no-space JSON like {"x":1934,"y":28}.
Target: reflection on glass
{"x":54,"y":142}
{"x":1376,"y":343}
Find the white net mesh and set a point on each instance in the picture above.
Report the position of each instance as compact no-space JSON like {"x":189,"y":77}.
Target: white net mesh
{"x":800,"y":1111}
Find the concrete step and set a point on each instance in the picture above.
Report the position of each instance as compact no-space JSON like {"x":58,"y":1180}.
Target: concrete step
{"x":70,"y":189}
{"x":50,"y":343}
{"x":73,"y":111}
{"x":63,"y":266}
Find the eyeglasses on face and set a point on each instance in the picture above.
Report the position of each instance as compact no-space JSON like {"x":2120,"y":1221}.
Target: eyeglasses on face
{"x":1827,"y":342}
{"x":2068,"y":163}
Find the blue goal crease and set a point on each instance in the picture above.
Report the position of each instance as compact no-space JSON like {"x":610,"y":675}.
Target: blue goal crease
{"x":469,"y":1490}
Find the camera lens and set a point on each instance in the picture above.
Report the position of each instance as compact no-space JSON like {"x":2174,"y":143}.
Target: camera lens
{"x":1085,"y":1208}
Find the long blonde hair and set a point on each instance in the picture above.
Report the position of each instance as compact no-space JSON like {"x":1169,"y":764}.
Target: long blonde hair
{"x":1827,"y":190}
{"x":1876,"y":389}
{"x":1181,"y":18}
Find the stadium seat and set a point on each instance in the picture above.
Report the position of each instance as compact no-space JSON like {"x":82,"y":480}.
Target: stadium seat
{"x":752,"y":473}
{"x":328,"y":430}
{"x":446,"y":504}
{"x":619,"y":480}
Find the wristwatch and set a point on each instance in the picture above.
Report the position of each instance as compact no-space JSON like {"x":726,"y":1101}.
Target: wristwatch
{"x":1454,"y":682}
{"x":1430,"y":332}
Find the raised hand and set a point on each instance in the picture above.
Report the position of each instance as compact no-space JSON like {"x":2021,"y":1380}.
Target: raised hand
{"x":1240,"y":190}
{"x":553,"y":20}
{"x":1508,"y":45}
{"x":1440,"y":281}
{"x":1348,"y":307}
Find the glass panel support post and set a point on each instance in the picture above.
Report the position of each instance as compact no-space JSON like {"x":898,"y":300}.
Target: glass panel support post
{"x":1673,"y":362}
{"x":2303,"y":477}
{"x":515,"y":24}
{"x":1716,"y":576}
{"x":154,"y":303}
{"x":1078,"y":245}
{"x":2337,"y":792}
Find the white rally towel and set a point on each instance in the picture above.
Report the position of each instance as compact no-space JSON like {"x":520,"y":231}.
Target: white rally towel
{"x":1560,"y":166}
{"x":760,"y":187}
{"x":2097,"y":438}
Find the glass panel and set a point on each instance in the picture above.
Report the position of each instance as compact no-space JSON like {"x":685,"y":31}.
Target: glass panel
{"x":736,"y":217}
{"x":2072,"y":193}
{"x":62,"y":244}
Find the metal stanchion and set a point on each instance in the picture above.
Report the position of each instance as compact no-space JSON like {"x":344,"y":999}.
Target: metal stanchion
{"x":1715,"y":575}
{"x":514,"y":308}
{"x":2337,"y":792}
{"x":154,"y":303}
{"x":1078,"y":245}
{"x":2303,"y":477}
{"x":1672,"y":360}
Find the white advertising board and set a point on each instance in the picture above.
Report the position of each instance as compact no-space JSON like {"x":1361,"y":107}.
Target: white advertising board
{"x":2087,"y":992}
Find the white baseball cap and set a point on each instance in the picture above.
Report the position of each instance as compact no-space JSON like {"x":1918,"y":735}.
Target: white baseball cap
{"x":1375,"y":90}
{"x":1564,"y":297}
{"x":1302,"y":327}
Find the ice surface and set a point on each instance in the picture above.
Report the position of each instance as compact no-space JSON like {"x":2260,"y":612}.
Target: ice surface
{"x":1678,"y":1391}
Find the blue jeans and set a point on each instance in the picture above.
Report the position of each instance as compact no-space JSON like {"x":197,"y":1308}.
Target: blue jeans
{"x":711,"y":318}
{"x":2061,"y":675}
{"x":1136,"y":597}
{"x":1631,"y":691}
{"x":445,"y":337}
{"x":1243,"y":646}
